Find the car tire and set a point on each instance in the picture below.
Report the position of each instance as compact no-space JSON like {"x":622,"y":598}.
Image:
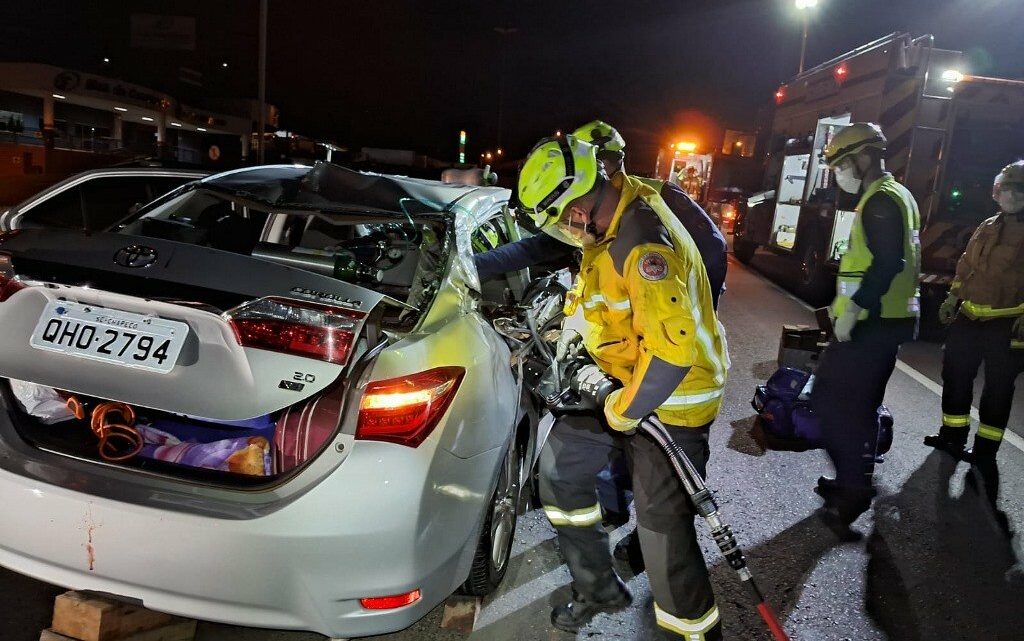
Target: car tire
{"x":743,"y":250}
{"x":812,"y":277}
{"x":494,"y":547}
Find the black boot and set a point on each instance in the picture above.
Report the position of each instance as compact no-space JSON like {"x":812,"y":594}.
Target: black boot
{"x":827,"y":487}
{"x":577,"y":613}
{"x":951,"y":440}
{"x":983,"y":452}
{"x":628,"y":550}
{"x":843,"y":504}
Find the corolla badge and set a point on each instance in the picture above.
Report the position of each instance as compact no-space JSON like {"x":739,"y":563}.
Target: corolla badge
{"x":135,"y":256}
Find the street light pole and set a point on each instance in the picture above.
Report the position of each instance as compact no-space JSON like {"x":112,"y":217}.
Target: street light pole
{"x":804,"y":6}
{"x":263,"y":81}
{"x":803,"y":44}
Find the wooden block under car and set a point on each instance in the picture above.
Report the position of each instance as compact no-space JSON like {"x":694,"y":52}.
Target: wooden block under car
{"x":177,"y":630}
{"x":89,"y":617}
{"x":460,"y":613}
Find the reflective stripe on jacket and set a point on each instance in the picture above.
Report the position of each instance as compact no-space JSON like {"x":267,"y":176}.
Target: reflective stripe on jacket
{"x":990,"y":273}
{"x":902,"y":300}
{"x":652,"y":300}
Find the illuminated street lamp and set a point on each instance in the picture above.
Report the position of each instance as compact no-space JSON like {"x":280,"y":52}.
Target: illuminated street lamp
{"x":803,"y":6}
{"x":686,"y":146}
{"x":952,"y":75}
{"x":558,"y":134}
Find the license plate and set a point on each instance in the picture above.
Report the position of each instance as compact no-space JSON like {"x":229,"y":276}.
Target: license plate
{"x":110,"y":335}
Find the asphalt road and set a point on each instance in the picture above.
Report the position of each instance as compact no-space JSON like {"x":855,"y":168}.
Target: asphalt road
{"x":933,"y":563}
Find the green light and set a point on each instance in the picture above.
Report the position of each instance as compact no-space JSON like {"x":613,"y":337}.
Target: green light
{"x":462,"y":158}
{"x":462,"y":137}
{"x":956,"y":193}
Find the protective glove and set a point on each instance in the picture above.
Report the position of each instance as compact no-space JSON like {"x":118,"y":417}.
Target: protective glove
{"x":566,"y":340}
{"x":947,"y":310}
{"x":843,"y":329}
{"x":615,"y":420}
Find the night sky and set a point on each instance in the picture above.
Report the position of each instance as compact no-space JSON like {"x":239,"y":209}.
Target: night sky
{"x":410,"y":74}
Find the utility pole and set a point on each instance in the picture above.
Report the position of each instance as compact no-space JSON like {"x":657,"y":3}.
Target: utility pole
{"x":263,"y":82}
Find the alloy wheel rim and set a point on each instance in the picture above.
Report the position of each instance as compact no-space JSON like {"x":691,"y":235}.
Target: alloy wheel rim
{"x":503,"y":511}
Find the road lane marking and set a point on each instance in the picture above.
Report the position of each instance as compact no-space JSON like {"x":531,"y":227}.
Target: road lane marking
{"x":1009,"y":435}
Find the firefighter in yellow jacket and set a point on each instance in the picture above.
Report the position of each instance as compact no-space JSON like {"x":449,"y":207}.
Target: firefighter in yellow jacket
{"x":650,"y":323}
{"x":988,"y":327}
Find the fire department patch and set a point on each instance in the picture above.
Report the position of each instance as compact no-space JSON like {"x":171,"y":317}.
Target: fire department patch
{"x":653,"y":266}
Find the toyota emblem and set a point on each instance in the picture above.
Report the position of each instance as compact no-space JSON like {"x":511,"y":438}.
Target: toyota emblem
{"x":135,"y":256}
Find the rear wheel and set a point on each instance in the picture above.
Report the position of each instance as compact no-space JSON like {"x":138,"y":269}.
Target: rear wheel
{"x":812,"y":277}
{"x":490,"y":562}
{"x":743,"y":250}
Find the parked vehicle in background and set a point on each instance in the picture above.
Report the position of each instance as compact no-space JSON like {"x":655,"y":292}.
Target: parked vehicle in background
{"x":95,"y":199}
{"x":949,"y":133}
{"x":724,"y":205}
{"x":335,"y":437}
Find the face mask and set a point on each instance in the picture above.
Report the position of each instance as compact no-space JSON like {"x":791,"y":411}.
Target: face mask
{"x":583,"y":234}
{"x":1010,"y":201}
{"x":576,"y":234}
{"x":846,"y":178}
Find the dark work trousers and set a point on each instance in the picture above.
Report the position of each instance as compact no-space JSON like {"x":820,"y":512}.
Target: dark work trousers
{"x":578,"y":448}
{"x":615,"y":487}
{"x":849,"y":385}
{"x":969,"y":344}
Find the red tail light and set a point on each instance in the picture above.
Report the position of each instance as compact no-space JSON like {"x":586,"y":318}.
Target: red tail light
{"x":405,"y":410}
{"x":8,"y":281}
{"x":390,"y":602}
{"x":322,"y":332}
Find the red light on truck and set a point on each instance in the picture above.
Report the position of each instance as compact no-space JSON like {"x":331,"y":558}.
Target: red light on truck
{"x":840,"y":72}
{"x":406,"y":409}
{"x":390,"y":602}
{"x":780,"y":95}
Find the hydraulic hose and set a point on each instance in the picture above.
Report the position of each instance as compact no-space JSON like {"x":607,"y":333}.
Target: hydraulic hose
{"x":705,"y":504}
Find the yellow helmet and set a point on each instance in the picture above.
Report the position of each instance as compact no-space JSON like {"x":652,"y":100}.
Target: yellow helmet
{"x":601,"y":135}
{"x":1012,"y":174}
{"x":555,"y":173}
{"x":854,"y":139}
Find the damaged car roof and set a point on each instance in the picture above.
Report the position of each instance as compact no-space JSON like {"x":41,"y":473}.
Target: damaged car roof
{"x":328,"y":186}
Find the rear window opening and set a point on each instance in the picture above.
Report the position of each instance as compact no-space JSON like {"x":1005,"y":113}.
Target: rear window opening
{"x":247,"y":453}
{"x":393,"y":254}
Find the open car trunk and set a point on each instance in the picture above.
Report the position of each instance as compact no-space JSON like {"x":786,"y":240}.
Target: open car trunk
{"x":237,"y":453}
{"x":191,"y":342}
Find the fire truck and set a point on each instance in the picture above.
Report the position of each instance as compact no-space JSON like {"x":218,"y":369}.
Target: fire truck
{"x":949,"y":133}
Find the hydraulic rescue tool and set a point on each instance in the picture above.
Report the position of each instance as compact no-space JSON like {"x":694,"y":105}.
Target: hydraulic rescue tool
{"x":591,"y":390}
{"x":565,"y":379}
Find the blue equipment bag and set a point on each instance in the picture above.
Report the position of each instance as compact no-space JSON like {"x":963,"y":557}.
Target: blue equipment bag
{"x":787,"y":420}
